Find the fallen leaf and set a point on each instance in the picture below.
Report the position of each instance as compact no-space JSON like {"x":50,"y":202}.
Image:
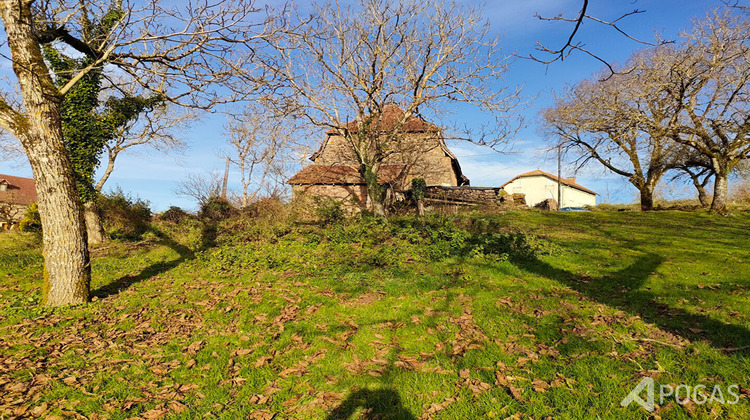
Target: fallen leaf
{"x":516,"y":392}
{"x":195,"y":347}
{"x":70,"y":381}
{"x":177,"y":407}
{"x":39,"y":410}
{"x":155,"y":413}
{"x":257,"y":399}
{"x":539,"y":385}
{"x":262,"y":361}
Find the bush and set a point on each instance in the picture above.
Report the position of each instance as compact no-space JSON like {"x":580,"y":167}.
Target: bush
{"x":216,"y":208}
{"x":31,"y":221}
{"x":174,"y":215}
{"x":271,"y":208}
{"x":124,"y":217}
{"x":741,"y":192}
{"x":454,"y":237}
{"x":328,"y":210}
{"x":418,"y":189}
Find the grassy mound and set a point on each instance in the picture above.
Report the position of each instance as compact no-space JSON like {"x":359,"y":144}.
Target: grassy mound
{"x":517,"y":315}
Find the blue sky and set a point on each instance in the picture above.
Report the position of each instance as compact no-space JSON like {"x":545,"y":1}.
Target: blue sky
{"x":154,"y":177}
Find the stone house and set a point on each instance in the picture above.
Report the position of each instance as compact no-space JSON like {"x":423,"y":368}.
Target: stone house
{"x":16,"y":193}
{"x":539,"y":186}
{"x":419,"y":152}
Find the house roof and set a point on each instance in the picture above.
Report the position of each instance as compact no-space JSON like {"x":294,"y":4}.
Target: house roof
{"x":18,"y":191}
{"x":342,"y":174}
{"x":393,"y":114}
{"x":570,"y":182}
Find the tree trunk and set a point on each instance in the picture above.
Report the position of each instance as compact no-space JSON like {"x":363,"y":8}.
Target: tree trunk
{"x":719,"y":203}
{"x":107,"y":172}
{"x":420,"y":207}
{"x":94,"y":228}
{"x":702,"y":196}
{"x":67,"y":272}
{"x":647,"y":198}
{"x":378,"y":208}
{"x":375,"y":191}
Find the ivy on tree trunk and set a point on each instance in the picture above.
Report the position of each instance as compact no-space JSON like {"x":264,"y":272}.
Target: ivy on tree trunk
{"x":87,"y":125}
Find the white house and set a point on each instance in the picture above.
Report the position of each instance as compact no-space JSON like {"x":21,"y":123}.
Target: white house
{"x":539,"y":186}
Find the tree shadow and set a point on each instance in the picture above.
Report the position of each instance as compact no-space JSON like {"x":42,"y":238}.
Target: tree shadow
{"x":378,"y":404}
{"x":625,"y":290}
{"x":208,"y":238}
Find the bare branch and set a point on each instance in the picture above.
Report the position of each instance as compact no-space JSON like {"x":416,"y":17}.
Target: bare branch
{"x":559,"y":54}
{"x":261,"y":146}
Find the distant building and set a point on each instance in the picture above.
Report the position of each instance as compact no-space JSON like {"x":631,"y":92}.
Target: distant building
{"x":16,"y":193}
{"x":420,"y":152}
{"x":539,"y":186}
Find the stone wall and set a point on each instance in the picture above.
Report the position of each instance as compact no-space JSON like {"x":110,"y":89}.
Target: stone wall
{"x":421,"y":153}
{"x":472,"y":195}
{"x":351,"y":196}
{"x":11,"y":214}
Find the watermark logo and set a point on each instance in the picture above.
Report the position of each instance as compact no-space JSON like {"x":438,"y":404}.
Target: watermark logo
{"x":635,"y":395}
{"x":682,"y":394}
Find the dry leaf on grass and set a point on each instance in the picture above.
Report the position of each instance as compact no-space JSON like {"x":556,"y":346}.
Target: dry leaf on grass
{"x":177,"y":407}
{"x":262,"y":415}
{"x":515,"y":392}
{"x":258,"y":399}
{"x":194,"y":347}
{"x":539,"y":386}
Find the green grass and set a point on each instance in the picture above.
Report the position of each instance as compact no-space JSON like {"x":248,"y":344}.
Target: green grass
{"x":519,"y":315}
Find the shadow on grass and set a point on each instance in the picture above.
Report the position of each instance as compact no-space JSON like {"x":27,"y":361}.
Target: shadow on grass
{"x":625,"y":290}
{"x":208,"y":238}
{"x":376,"y":404}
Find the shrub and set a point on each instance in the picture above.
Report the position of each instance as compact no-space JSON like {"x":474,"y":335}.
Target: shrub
{"x":124,"y":217}
{"x":31,"y":221}
{"x":741,"y":192}
{"x":418,"y":189}
{"x":328,"y":210}
{"x":270,"y":208}
{"x":188,"y":232}
{"x":174,"y":215}
{"x":216,"y":208}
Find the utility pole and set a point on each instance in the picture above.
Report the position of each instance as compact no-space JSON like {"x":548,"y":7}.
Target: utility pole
{"x":224,"y":185}
{"x":559,"y":174}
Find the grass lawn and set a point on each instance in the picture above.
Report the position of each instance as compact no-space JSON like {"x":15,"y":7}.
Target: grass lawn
{"x":517,"y":315}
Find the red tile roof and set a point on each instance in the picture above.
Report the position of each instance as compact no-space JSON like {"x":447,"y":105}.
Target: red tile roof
{"x":391,"y":115}
{"x":342,"y":174}
{"x":570,"y":182}
{"x":18,"y":190}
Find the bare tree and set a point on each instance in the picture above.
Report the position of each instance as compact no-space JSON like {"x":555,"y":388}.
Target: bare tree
{"x":181,"y":53}
{"x":200,"y":186}
{"x":350,"y":63}
{"x":159,"y":130}
{"x":698,"y":169}
{"x":709,"y":78}
{"x":622,"y":122}
{"x":687,"y":102}
{"x":260,"y":145}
